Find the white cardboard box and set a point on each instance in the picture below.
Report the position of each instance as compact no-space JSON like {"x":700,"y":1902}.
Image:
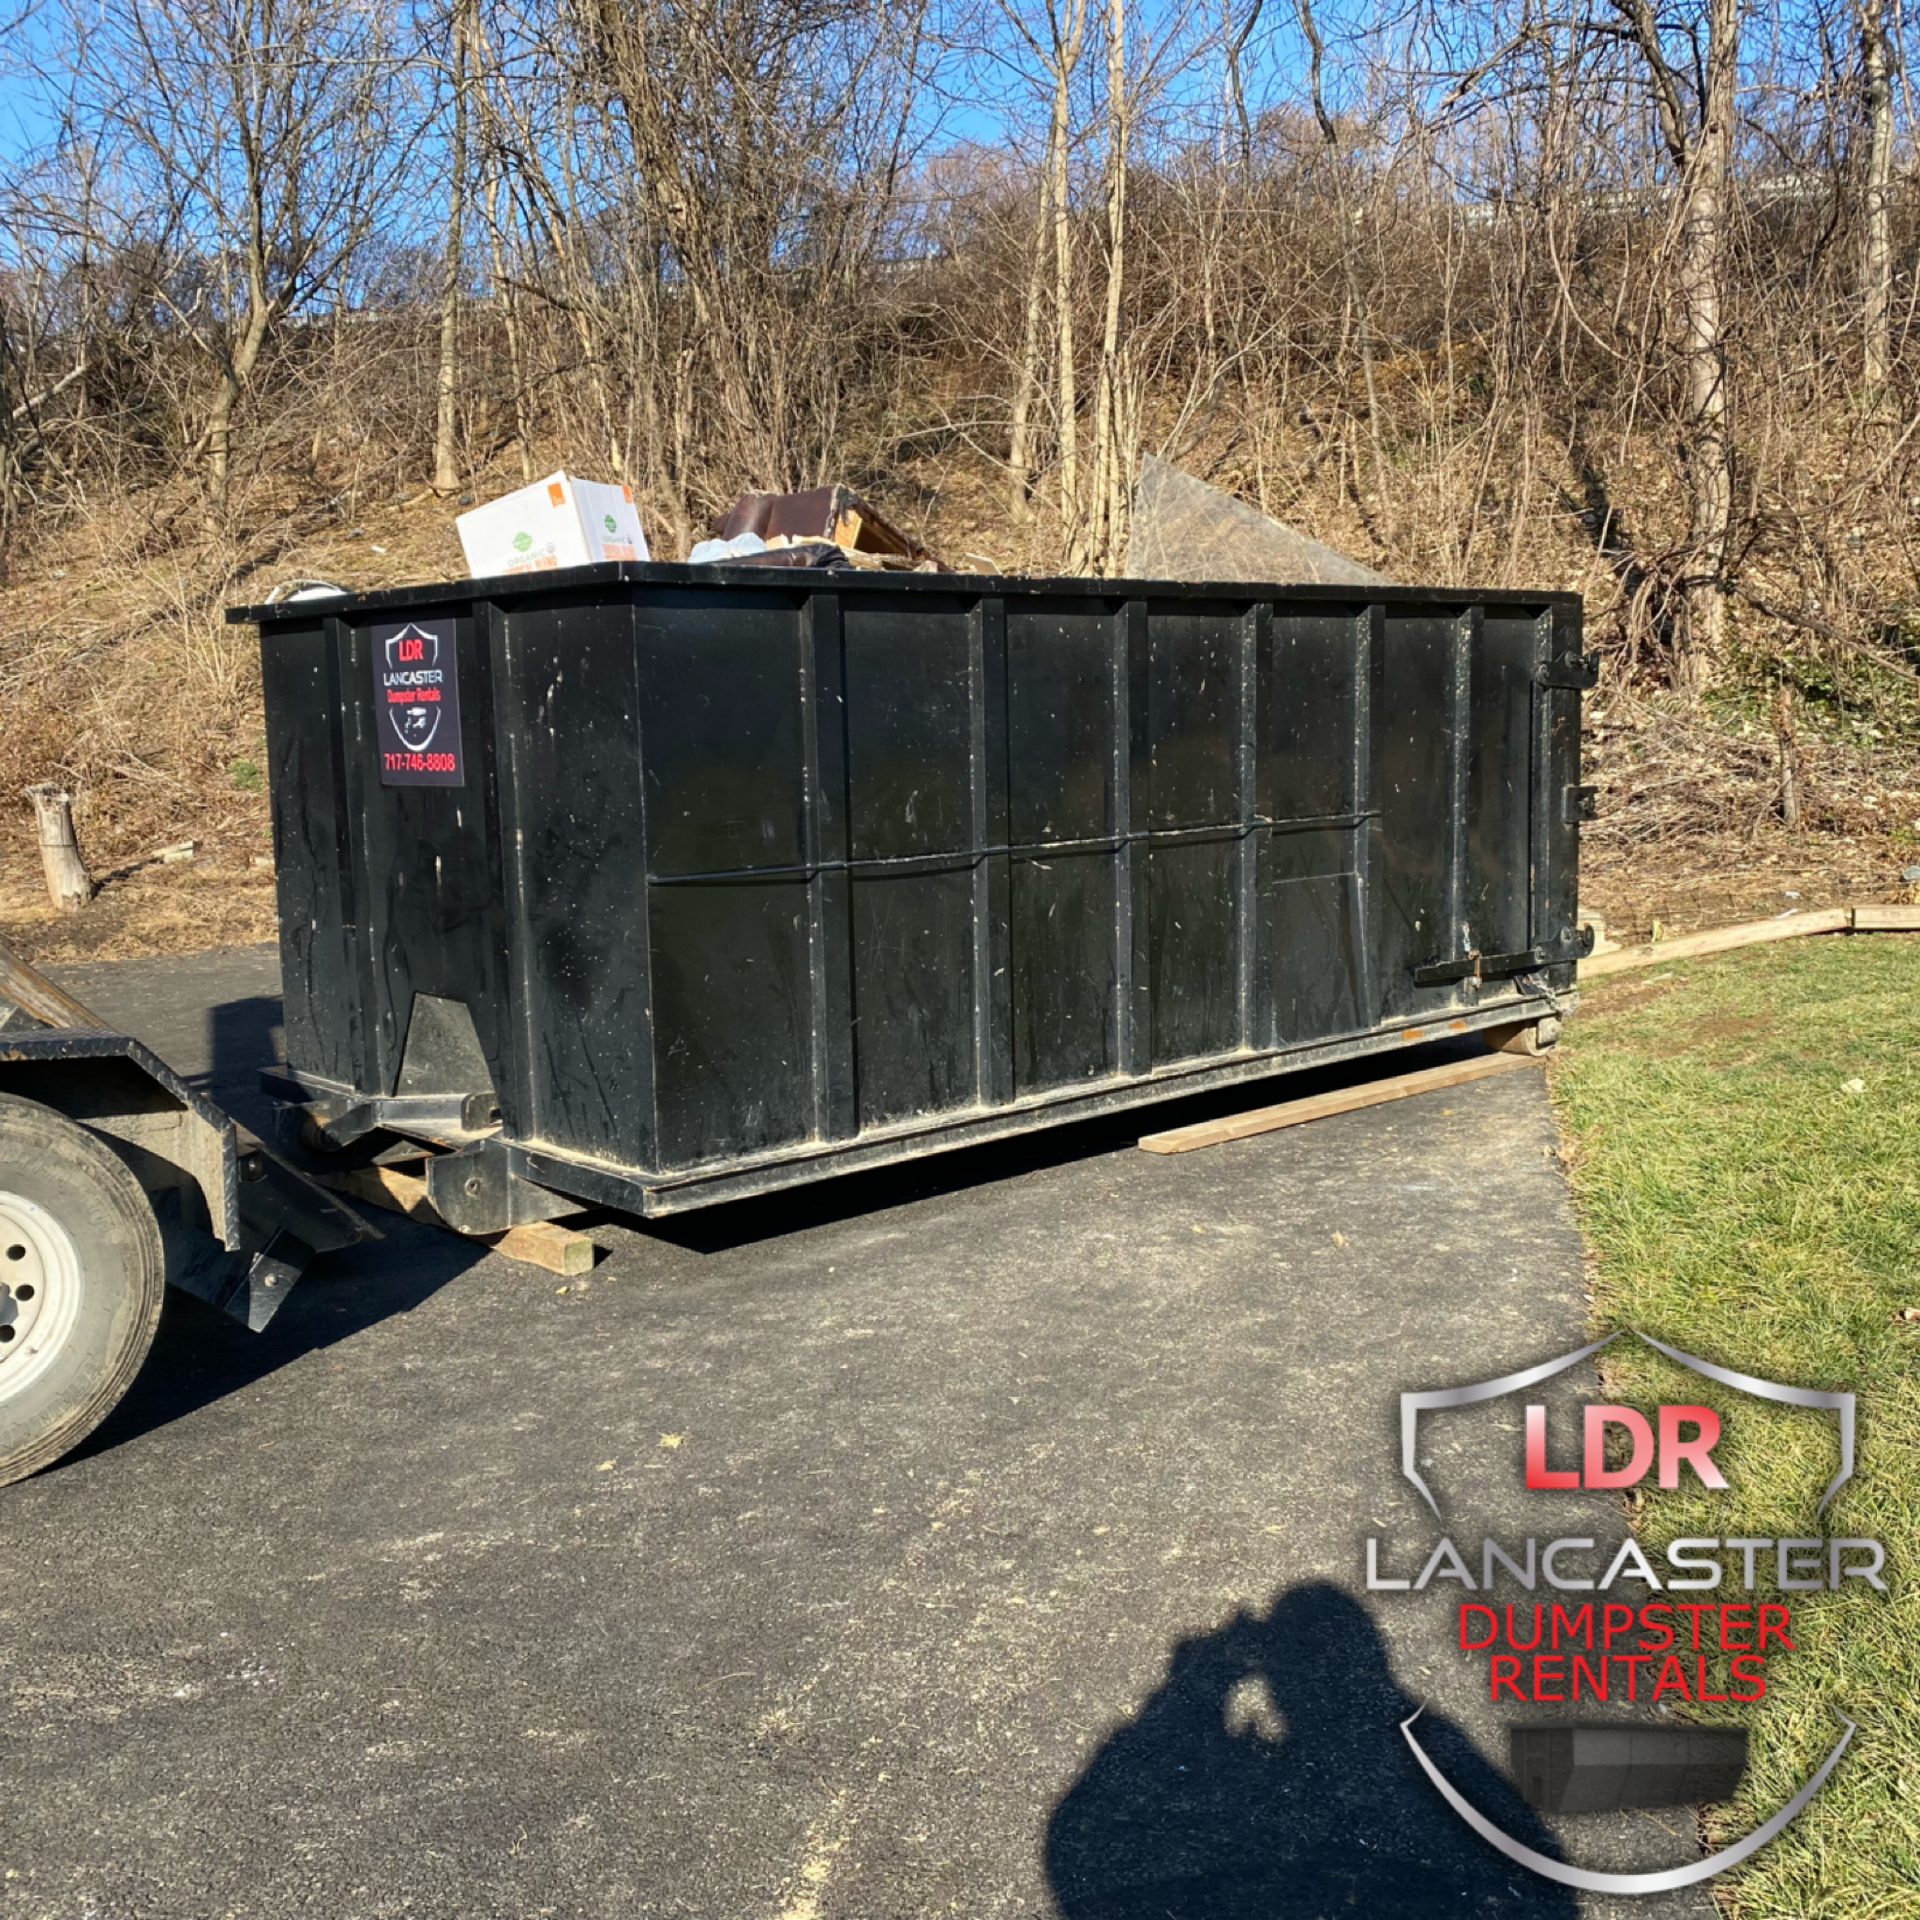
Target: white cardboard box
{"x":556,"y":522}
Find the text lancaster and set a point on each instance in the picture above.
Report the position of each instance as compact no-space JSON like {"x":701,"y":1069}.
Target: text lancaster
{"x":1577,"y":1564}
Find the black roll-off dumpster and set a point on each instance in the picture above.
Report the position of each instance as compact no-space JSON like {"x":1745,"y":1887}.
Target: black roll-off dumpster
{"x":649,"y":886}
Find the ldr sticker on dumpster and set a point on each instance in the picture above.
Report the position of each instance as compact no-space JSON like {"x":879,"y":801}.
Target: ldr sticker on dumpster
{"x":416,"y":693}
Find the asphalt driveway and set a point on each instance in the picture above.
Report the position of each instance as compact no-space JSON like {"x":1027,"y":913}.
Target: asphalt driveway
{"x":983,"y":1539}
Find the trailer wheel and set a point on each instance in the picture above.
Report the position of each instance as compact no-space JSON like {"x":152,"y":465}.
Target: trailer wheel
{"x":81,"y":1280}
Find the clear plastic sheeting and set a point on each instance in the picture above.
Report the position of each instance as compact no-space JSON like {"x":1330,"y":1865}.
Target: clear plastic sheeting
{"x":1184,"y":529}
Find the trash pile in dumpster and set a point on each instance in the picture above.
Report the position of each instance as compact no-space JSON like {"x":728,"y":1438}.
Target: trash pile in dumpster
{"x":823,"y":527}
{"x":565,"y":522}
{"x":1182,"y":529}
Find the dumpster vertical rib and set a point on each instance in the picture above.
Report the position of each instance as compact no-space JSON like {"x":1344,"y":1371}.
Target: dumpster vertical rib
{"x":992,"y":880}
{"x":377,"y":1054}
{"x":493,"y":956}
{"x":1132,"y":796}
{"x":1462,"y":643}
{"x":647,"y":1149}
{"x":1540,"y":790}
{"x":506,"y":789}
{"x":1557,"y":834}
{"x":1243,"y":711}
{"x":354,"y":943}
{"x":1261,"y":728}
{"x":829,"y":892}
{"x":1369,"y":665}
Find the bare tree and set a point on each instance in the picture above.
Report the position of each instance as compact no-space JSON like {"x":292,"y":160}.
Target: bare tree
{"x":1876,"y":236}
{"x":1026,"y":379}
{"x":446,"y":470}
{"x":257,"y":139}
{"x":1356,"y":295}
{"x":1694,"y":104}
{"x":1102,"y":524}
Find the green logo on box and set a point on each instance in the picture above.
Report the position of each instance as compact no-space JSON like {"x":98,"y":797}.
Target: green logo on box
{"x":522,"y":541}
{"x":609,"y":522}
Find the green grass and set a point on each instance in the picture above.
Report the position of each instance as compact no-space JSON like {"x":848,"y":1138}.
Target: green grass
{"x":1742,"y":1203}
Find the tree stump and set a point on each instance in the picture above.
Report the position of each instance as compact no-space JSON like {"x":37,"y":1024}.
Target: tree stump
{"x":68,"y":881}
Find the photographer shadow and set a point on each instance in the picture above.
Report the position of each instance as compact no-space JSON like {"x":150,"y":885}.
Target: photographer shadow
{"x":1268,"y":1779}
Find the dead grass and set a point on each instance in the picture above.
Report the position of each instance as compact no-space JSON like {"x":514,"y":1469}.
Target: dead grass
{"x":175,"y":910}
{"x":120,"y":679}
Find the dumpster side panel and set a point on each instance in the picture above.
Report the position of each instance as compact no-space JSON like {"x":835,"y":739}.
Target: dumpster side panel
{"x":1417,"y":714}
{"x":1066,"y":687}
{"x":911,"y":683}
{"x":1499,"y":783}
{"x":574,"y":824}
{"x":720,"y":712}
{"x":730,"y":880}
{"x":1316,"y":738}
{"x":1062,"y":723}
{"x":1064,"y":981}
{"x":1194,"y":670}
{"x":734,"y":1061}
{"x":915,"y":1031}
{"x":320,"y":927}
{"x":909,"y":720}
{"x":1197,"y":666}
{"x":429,"y":868}
{"x":1192,"y":904}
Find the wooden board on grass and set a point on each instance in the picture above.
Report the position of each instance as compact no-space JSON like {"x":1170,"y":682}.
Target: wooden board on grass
{"x":1319,"y":1106}
{"x":1693,"y":946}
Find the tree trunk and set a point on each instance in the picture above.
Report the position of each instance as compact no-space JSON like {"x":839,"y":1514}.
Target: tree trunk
{"x":1700,"y":146}
{"x":235,"y":371}
{"x":1876,"y":239}
{"x":1330,"y":134}
{"x":446,"y":471}
{"x":1701,"y":281}
{"x":1027,"y":373}
{"x":1101,"y":532}
{"x":505,"y":294}
{"x":68,"y":881}
{"x":1067,"y":58}
{"x":1787,"y":743}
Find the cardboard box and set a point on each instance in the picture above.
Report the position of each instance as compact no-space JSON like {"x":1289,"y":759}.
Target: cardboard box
{"x":556,"y":522}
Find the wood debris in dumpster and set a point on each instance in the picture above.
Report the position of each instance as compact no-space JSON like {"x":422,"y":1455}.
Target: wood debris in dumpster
{"x":824,"y":526}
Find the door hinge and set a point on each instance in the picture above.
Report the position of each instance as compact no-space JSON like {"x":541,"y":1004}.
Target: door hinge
{"x":1575,"y":671}
{"x":1578,"y":803}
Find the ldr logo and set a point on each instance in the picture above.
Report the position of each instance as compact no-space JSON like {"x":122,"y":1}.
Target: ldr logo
{"x":1673,"y":1451}
{"x":409,"y":648}
{"x":1674,"y":1448}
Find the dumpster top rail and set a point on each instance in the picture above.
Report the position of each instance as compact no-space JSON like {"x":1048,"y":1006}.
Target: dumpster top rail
{"x":667,"y":573}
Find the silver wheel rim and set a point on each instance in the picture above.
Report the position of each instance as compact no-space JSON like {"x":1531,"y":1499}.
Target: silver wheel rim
{"x":39,"y":1291}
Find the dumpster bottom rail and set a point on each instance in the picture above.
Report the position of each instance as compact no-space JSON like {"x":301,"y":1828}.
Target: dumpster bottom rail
{"x":540,"y":1183}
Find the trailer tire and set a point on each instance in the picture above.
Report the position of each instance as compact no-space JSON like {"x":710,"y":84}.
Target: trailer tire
{"x":81,"y":1268}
